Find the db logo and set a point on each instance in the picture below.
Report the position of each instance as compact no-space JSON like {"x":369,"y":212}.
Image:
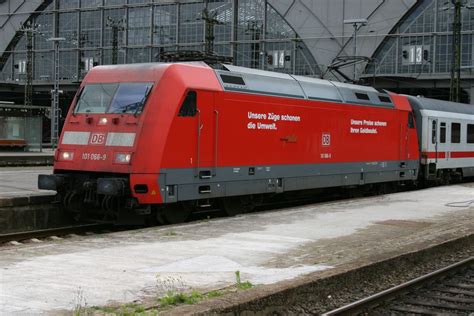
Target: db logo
{"x":97,"y":139}
{"x":326,"y":139}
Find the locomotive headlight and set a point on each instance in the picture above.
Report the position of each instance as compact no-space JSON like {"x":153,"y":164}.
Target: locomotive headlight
{"x":103,"y":121}
{"x":123,"y":158}
{"x":66,"y":155}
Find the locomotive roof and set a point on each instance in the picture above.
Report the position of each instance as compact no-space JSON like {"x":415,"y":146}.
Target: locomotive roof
{"x":140,"y":71}
{"x":421,"y":103}
{"x":241,"y":79}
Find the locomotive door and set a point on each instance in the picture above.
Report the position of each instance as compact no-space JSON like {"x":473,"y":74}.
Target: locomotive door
{"x":443,"y":147}
{"x":207,"y":118}
{"x":403,"y":142}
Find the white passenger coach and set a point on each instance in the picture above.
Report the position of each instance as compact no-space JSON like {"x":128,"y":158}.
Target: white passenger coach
{"x":446,"y":137}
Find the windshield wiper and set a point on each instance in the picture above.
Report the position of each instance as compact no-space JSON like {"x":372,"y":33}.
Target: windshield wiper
{"x":145,"y":97}
{"x":130,"y":105}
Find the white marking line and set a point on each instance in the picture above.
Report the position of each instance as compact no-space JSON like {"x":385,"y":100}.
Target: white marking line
{"x":22,"y":192}
{"x":25,"y":171}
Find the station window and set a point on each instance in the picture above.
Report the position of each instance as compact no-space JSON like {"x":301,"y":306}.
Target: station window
{"x":189,"y":106}
{"x":455,"y":133}
{"x":470,"y":133}
{"x":442,"y":132}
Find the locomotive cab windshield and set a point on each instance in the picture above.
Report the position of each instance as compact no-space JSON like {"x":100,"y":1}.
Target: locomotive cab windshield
{"x":114,"y":98}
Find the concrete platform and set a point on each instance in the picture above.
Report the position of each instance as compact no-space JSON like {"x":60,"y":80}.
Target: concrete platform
{"x":22,"y":205}
{"x":21,"y":182}
{"x":18,"y":158}
{"x":266,"y":248}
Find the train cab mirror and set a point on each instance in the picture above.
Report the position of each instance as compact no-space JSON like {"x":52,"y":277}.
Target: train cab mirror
{"x":411,"y":120}
{"x":189,"y":105}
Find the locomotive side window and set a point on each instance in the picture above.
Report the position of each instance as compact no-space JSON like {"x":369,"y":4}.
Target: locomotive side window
{"x":232,"y":80}
{"x":455,"y":133}
{"x":411,"y":120}
{"x":470,"y":133}
{"x":384,"y":99}
{"x":442,"y":132}
{"x":433,"y":132}
{"x":362,"y":96}
{"x":189,"y":106}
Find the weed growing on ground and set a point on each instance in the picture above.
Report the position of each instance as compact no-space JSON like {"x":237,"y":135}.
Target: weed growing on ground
{"x":130,"y":309}
{"x":241,"y":285}
{"x":170,"y":284}
{"x":170,"y":233}
{"x":177,"y":292}
{"x":175,"y":298}
{"x":212,"y":294}
{"x":80,"y":303}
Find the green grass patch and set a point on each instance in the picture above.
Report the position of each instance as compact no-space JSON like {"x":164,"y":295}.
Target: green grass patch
{"x":213,"y":294}
{"x":170,"y":233}
{"x":123,"y":310}
{"x":241,"y":285}
{"x":174,"y":298}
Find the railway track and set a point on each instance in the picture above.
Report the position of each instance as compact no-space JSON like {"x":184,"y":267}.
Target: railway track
{"x":57,"y":232}
{"x":448,"y":291}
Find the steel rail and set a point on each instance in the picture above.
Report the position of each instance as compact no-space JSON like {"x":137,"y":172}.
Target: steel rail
{"x":373,"y":300}
{"x":44,"y":233}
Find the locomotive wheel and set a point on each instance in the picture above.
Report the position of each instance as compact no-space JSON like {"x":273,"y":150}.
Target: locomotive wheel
{"x":234,"y":205}
{"x":175,"y":214}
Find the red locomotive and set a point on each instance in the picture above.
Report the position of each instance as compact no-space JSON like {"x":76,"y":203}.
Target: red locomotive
{"x":159,"y":140}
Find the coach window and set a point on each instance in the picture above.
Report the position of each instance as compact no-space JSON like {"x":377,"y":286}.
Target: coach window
{"x":470,"y":133}
{"x":189,"y":106}
{"x":455,"y":133}
{"x":442,"y":132}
